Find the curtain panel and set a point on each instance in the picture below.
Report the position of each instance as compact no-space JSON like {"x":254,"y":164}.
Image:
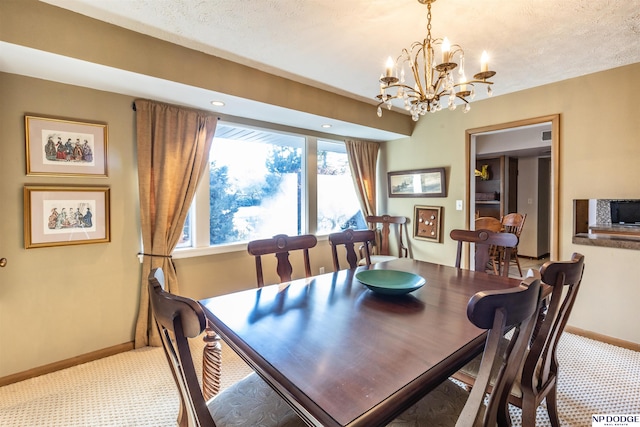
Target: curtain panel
{"x":363,"y":160}
{"x":173,"y":146}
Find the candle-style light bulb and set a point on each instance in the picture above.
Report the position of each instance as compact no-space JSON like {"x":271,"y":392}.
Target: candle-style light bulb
{"x":463,"y":80}
{"x":484,"y":62}
{"x":446,"y":47}
{"x":389,"y":67}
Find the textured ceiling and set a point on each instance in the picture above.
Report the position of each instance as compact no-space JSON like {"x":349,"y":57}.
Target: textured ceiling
{"x":341,"y":45}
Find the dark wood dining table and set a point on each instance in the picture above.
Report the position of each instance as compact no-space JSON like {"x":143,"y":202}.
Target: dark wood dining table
{"x":342,"y":355}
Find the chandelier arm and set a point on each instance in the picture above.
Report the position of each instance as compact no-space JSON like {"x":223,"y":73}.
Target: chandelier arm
{"x":437,"y":88}
{"x":409,"y":88}
{"x":404,"y":56}
{"x":428,"y":64}
{"x":486,"y":82}
{"x":455,"y":48}
{"x":414,"y":99}
{"x":415,"y":67}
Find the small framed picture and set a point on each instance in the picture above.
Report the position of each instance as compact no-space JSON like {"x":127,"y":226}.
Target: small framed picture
{"x":427,"y":223}
{"x":417,"y":183}
{"x":65,"y":215}
{"x":57,"y":147}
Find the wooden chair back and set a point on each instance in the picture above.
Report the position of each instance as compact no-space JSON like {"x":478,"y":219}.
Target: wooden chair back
{"x":181,"y":318}
{"x":488,"y":223}
{"x":540,"y":371}
{"x":281,"y":245}
{"x":498,"y":311}
{"x":383,"y":224}
{"x":492,"y":224}
{"x":484,"y":240}
{"x":513,"y":223}
{"x":348,"y":239}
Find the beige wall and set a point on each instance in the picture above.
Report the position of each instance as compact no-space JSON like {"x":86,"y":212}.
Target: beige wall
{"x":599,"y":155}
{"x":57,"y":303}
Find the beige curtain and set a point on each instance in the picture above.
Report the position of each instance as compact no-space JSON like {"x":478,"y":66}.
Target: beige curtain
{"x":363,"y":158}
{"x":173,"y":151}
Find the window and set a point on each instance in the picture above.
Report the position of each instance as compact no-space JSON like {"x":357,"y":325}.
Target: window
{"x":255,"y":185}
{"x":338,"y":206}
{"x":262,"y":183}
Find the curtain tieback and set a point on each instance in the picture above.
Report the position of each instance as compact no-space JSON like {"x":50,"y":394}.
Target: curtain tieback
{"x":156,"y":255}
{"x":141,"y":254}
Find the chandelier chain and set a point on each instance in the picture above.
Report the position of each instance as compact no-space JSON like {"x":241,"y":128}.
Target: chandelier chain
{"x":429,"y":21}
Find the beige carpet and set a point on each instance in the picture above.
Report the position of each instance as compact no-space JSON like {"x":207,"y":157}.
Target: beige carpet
{"x":136,"y":389}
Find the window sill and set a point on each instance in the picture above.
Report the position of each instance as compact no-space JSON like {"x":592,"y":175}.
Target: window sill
{"x":208,"y":250}
{"x":181,"y":253}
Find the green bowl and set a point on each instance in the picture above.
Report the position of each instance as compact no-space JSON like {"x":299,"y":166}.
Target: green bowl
{"x":390,"y":282}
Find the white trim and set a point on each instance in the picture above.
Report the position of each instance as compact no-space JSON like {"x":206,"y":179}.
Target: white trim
{"x":180,"y":253}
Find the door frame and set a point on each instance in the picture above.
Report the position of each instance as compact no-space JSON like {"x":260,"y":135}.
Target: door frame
{"x":470,"y":155}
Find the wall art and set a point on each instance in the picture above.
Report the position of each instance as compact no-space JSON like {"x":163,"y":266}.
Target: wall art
{"x":417,"y":183}
{"x":58,"y":147}
{"x":427,"y":223}
{"x":65,"y":215}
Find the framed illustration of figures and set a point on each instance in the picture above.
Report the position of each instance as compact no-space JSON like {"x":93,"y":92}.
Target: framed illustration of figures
{"x":65,"y":215}
{"x":58,"y":147}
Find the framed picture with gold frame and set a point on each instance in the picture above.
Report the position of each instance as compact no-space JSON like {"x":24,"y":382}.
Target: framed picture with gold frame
{"x":427,"y":223}
{"x":65,"y":215}
{"x":59,"y":147}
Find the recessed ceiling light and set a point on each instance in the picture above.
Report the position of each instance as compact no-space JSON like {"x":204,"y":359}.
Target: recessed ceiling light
{"x":217,"y":103}
{"x":326,"y":126}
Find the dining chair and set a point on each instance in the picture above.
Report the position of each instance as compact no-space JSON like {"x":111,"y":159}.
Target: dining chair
{"x":382,"y":226}
{"x":484,"y":240}
{"x":348,"y":238}
{"x":492,"y":224}
{"x":488,"y":223}
{"x":513,"y":223}
{"x":496,"y":311}
{"x":249,"y":402}
{"x":539,"y":375}
{"x":281,"y":245}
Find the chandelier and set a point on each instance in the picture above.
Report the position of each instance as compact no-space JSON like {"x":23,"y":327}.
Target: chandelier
{"x":433,"y":77}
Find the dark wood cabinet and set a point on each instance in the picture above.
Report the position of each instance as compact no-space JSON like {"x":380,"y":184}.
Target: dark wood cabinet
{"x":490,"y":187}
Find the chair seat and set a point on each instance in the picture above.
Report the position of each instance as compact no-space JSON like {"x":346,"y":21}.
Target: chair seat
{"x":377,"y":258}
{"x":440,"y":408}
{"x":251,"y":402}
{"x":471,"y":369}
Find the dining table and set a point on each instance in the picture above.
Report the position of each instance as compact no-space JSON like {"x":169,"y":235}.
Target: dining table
{"x":341,"y":354}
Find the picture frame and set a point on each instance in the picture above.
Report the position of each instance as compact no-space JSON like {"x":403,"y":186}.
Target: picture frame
{"x":48,"y":223}
{"x":427,"y":223}
{"x":417,"y":183}
{"x":60,"y":147}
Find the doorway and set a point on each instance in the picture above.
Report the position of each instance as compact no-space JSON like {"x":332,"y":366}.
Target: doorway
{"x":551,"y":122}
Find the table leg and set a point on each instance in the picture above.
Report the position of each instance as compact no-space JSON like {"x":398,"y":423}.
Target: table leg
{"x":211,"y":363}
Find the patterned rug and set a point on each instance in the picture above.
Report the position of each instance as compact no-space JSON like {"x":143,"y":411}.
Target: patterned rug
{"x":136,"y":388}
